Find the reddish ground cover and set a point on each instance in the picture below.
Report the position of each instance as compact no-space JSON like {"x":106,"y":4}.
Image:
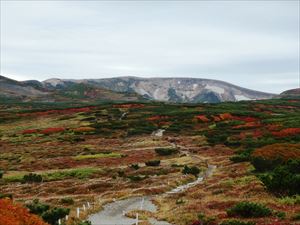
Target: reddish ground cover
{"x":282,"y":150}
{"x":202,"y":118}
{"x":52,"y":130}
{"x":286,"y":132}
{"x":15,"y":214}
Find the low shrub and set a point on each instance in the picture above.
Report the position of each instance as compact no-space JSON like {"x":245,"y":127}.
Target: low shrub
{"x":191,"y":170}
{"x":49,"y":215}
{"x":166,"y":151}
{"x":153,"y":163}
{"x":236,"y":222}
{"x":136,"y":178}
{"x":284,"y":179}
{"x":135,"y":166}
{"x":1,"y":173}
{"x":249,"y":209}
{"x":206,"y":220}
{"x":32,"y":178}
{"x":6,"y":196}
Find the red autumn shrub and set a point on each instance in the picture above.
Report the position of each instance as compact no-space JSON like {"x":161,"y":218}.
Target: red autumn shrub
{"x":32,"y":131}
{"x":226,"y":116}
{"x":257,"y":133}
{"x":202,"y":118}
{"x":286,"y":132}
{"x":280,"y":150}
{"x":52,"y":130}
{"x":15,"y":214}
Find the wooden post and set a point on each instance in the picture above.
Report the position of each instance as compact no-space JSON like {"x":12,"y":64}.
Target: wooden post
{"x":67,"y":217}
{"x":137,"y":219}
{"x":88,"y":204}
{"x":59,"y":221}
{"x":78,"y":212}
{"x":142,"y":203}
{"x":83,"y":207}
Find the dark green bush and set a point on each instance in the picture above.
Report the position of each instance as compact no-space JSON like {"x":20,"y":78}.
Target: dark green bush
{"x":135,"y":166}
{"x":136,"y":178}
{"x":32,"y":178}
{"x":166,"y":151}
{"x":236,"y":222}
{"x":6,"y":196}
{"x":1,"y":173}
{"x":191,"y":170}
{"x":284,"y":179}
{"x":37,"y":208}
{"x":249,"y":209}
{"x":53,"y":215}
{"x":153,"y":163}
{"x":262,"y":165}
{"x":49,"y":215}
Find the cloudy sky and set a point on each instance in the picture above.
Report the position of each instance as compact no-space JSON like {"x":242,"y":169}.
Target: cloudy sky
{"x":254,"y":44}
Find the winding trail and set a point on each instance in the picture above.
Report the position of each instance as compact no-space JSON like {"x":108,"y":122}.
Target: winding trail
{"x":114,"y":213}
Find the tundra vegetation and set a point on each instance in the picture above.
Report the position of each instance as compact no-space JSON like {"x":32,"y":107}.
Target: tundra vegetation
{"x":67,"y":154}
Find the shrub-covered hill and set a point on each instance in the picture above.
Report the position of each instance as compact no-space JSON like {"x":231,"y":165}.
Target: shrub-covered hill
{"x":69,"y":153}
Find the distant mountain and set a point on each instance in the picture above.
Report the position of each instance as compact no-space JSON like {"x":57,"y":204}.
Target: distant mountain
{"x":33,"y":90}
{"x":169,"y":89}
{"x":293,"y":93}
{"x":180,"y":90}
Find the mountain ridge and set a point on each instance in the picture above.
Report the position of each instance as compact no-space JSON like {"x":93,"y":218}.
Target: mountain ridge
{"x":166,"y":89}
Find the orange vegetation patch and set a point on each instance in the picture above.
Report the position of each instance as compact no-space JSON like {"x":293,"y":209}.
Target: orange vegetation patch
{"x":282,"y":150}
{"x":129,"y":106}
{"x":52,"y":130}
{"x":84,"y":129}
{"x":57,"y":111}
{"x":248,"y":125}
{"x":15,"y":214}
{"x":286,"y":132}
{"x":202,"y":118}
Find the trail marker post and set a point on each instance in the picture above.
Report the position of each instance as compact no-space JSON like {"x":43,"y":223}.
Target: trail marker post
{"x":78,"y":212}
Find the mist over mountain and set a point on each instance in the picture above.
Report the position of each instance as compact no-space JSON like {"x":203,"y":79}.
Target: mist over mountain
{"x":179,"y":90}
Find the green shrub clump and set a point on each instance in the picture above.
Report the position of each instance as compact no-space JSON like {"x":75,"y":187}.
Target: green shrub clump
{"x":284,"y":179}
{"x":153,"y":163}
{"x":236,"y":222}
{"x":166,"y":151}
{"x":48,"y":214}
{"x":32,"y":178}
{"x":249,"y":209}
{"x":191,"y":170}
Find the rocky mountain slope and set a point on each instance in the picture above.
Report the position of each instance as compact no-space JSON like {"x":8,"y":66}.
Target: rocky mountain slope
{"x":169,"y":89}
{"x":33,"y":90}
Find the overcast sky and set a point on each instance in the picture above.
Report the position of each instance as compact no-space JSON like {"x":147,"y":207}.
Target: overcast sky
{"x":253,"y":44}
